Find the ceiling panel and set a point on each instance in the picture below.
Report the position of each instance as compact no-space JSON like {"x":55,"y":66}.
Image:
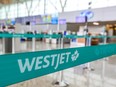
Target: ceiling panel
{"x":5,"y":1}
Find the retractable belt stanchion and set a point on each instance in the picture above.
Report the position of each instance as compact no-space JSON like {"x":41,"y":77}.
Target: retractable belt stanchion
{"x":3,"y":45}
{"x":8,"y":42}
{"x":55,"y":82}
{"x":88,"y":43}
{"x":13,"y":45}
{"x":103,"y":64}
{"x":33,"y":44}
{"x":62,"y":83}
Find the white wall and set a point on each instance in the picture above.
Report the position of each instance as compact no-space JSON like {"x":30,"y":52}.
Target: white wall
{"x":94,"y":29}
{"x":100,"y":14}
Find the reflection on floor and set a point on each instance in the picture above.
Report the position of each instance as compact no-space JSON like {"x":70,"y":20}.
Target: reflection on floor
{"x":77,"y":76}
{"x":38,"y":82}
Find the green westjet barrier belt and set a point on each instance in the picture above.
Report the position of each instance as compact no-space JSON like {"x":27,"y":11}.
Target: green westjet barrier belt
{"x":6,"y":35}
{"x":20,"y":67}
{"x":30,"y":35}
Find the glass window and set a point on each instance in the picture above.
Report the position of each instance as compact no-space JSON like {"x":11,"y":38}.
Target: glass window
{"x":53,"y":6}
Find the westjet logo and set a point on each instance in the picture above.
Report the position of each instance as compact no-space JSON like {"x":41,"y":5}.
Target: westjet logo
{"x":42,"y":62}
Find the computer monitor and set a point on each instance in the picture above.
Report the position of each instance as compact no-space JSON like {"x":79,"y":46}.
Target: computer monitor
{"x":27,"y":22}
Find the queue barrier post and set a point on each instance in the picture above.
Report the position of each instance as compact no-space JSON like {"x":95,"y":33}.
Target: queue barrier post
{"x":13,"y":45}
{"x":88,"y":43}
{"x":55,"y":80}
{"x":103,"y":64}
{"x":33,"y":43}
{"x":61,"y":81}
{"x":3,"y":45}
{"x":8,"y":43}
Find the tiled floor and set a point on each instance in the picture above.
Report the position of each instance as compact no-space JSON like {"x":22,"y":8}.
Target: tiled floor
{"x":38,"y":82}
{"x":77,"y":76}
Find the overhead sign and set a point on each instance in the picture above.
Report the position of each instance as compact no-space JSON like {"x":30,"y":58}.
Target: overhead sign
{"x":8,"y":22}
{"x":19,"y":20}
{"x":46,"y":18}
{"x":80,"y":19}
{"x":62,"y":21}
{"x":2,"y":22}
{"x":13,"y":21}
{"x":87,"y":13}
{"x":54,"y":20}
{"x":33,"y":19}
{"x":38,"y":19}
{"x":20,"y":67}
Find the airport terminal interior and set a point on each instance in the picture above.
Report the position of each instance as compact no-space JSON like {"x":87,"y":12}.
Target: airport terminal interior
{"x":33,"y":28}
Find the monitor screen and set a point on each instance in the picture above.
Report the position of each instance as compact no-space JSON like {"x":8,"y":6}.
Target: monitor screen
{"x":28,"y":23}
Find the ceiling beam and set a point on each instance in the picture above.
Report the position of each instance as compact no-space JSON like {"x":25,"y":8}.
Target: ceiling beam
{"x":6,"y":2}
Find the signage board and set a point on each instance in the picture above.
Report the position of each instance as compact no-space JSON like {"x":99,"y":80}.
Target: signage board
{"x":87,"y":13}
{"x":46,"y":18}
{"x":54,"y":20}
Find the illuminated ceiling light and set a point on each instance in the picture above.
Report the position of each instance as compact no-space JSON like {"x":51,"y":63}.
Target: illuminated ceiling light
{"x":95,"y":23}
